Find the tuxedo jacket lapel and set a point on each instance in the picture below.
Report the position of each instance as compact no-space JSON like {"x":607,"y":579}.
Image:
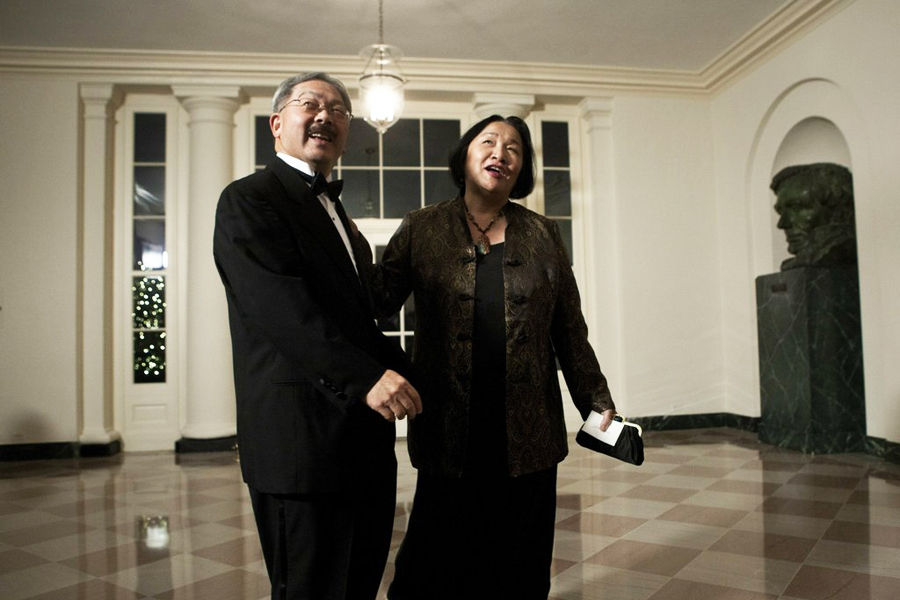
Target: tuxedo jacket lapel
{"x":307,"y":215}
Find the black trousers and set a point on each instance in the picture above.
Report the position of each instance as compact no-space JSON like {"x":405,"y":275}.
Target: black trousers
{"x":478,"y":538}
{"x":328,"y":546}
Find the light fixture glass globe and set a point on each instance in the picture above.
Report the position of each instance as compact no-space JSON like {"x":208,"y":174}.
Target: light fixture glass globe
{"x":381,"y":86}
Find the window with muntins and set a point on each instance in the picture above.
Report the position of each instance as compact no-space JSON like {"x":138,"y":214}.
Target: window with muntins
{"x":386,"y":176}
{"x":557,"y":177}
{"x":149,"y":261}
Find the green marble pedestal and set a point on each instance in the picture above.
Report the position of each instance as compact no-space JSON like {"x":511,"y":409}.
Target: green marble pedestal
{"x":810,"y":360}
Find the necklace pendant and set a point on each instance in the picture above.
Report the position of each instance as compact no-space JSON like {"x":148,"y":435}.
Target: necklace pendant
{"x":483,"y":246}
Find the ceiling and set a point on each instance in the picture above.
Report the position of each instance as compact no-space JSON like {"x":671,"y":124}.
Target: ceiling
{"x":679,"y":35}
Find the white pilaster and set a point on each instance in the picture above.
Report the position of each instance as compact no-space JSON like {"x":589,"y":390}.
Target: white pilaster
{"x":208,"y":407}
{"x":94,"y":330}
{"x":505,"y":105}
{"x":600,"y":233}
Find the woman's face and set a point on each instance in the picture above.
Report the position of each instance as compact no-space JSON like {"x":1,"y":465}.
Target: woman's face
{"x":494,"y":160}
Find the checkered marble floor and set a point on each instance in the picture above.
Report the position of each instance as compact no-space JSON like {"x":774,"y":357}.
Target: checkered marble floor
{"x":712,"y":514}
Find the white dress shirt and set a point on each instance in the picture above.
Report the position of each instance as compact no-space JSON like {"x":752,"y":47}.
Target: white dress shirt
{"x":327,"y":203}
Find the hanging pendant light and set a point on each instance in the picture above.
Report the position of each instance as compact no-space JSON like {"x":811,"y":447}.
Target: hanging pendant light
{"x":381,"y":83}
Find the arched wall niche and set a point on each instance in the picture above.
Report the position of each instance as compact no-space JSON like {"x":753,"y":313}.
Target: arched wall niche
{"x":810,"y":121}
{"x":809,"y":113}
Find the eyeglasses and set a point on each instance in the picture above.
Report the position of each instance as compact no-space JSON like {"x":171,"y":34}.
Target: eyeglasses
{"x":311,"y":107}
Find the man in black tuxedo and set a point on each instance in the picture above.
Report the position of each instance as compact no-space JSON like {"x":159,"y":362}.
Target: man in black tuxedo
{"x":318,"y":386}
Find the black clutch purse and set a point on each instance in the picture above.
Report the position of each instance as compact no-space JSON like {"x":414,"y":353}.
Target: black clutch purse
{"x":621,"y":440}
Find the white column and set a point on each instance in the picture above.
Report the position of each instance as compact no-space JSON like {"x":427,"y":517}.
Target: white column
{"x":96,"y":270}
{"x":505,"y":105}
{"x":600,"y":233}
{"x":208,"y":405}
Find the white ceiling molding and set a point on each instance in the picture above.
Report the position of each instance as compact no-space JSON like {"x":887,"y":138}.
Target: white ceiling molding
{"x":263,"y":70}
{"x":782,"y":27}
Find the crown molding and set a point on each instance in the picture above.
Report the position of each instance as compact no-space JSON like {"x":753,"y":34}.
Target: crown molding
{"x":145,"y":67}
{"x":783,"y":27}
{"x":265,"y":70}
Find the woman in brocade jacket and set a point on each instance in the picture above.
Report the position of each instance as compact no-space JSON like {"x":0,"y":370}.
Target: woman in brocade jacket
{"x":496,"y":306}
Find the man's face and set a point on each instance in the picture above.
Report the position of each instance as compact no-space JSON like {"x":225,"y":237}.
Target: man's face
{"x":307,"y":128}
{"x":799,"y":214}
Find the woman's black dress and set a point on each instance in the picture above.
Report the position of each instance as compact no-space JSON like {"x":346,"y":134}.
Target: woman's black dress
{"x":484,"y":535}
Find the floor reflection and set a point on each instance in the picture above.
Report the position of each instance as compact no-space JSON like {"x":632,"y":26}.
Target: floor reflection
{"x":712,"y":513}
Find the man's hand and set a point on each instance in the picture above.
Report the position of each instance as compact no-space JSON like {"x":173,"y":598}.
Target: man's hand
{"x":393,"y":397}
{"x":608,"y":415}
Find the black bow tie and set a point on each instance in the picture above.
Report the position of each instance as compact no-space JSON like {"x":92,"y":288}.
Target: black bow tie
{"x":320,"y":185}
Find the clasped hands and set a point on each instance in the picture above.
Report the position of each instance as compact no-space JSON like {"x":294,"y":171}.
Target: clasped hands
{"x":393,"y":397}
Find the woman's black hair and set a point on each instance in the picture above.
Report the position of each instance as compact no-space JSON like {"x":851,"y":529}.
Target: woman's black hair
{"x":524,"y":183}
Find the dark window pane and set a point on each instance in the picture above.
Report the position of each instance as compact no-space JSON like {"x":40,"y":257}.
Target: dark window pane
{"x":149,"y":137}
{"x":265,"y":143}
{"x":391,"y":323}
{"x":401,"y":193}
{"x":362,"y":145}
{"x":565,"y":229}
{"x":440,"y":137}
{"x":149,"y":190}
{"x":149,"y":244}
{"x":557,"y":194}
{"x":401,"y":144}
{"x":408,"y":342}
{"x":148,"y":302}
{"x":556,"y":143}
{"x":149,"y":356}
{"x":439,"y":187}
{"x":360,"y":193}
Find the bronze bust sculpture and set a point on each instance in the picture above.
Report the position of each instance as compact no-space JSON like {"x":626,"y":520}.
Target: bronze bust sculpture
{"x":815,"y":208}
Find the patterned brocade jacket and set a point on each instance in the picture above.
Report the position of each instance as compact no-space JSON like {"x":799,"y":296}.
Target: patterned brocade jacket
{"x":432,"y":256}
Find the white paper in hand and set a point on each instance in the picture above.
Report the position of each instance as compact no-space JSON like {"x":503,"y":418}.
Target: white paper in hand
{"x":592,"y":427}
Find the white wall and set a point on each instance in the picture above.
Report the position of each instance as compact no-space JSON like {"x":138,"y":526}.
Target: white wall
{"x":38,"y":260}
{"x":843,"y":71}
{"x":669,"y":299}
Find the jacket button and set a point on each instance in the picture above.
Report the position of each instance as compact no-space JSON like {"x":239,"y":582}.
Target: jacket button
{"x":466,"y":296}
